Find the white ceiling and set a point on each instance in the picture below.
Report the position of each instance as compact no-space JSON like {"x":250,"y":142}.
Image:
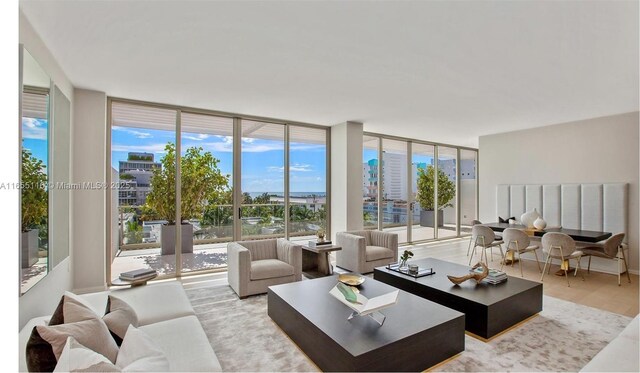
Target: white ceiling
{"x":440,"y":71}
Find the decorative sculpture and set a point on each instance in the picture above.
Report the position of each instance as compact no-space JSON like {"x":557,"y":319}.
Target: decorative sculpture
{"x":529,"y":217}
{"x":476,"y":276}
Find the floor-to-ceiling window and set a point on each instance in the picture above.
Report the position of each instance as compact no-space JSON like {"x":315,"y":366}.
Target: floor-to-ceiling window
{"x":156,"y":150}
{"x":262,"y":173}
{"x":206,"y":189}
{"x":428,"y":190}
{"x":394,"y":205}
{"x":446,"y":191}
{"x":422,"y":192}
{"x":370,"y":146}
{"x":307,"y":182}
{"x":143,"y":142}
{"x":468,"y":189}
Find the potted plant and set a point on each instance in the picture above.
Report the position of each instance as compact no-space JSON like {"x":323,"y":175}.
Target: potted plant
{"x":34,"y":205}
{"x":201,"y":181}
{"x":446,"y":192}
{"x":404,"y":257}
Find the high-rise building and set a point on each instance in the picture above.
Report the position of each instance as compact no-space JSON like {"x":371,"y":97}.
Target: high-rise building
{"x":135,"y":178}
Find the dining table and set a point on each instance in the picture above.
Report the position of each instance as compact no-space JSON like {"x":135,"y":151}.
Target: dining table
{"x":579,"y":235}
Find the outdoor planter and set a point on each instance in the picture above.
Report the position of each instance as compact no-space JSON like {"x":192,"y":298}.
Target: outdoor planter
{"x":168,"y":239}
{"x":29,"y":248}
{"x":427,"y":217}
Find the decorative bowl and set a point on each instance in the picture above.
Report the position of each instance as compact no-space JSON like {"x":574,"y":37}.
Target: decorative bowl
{"x":351,"y":279}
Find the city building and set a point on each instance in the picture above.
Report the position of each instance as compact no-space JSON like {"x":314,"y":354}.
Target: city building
{"x":135,"y":178}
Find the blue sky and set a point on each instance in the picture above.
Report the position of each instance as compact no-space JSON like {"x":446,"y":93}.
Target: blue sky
{"x":34,"y":137}
{"x":262,"y":160}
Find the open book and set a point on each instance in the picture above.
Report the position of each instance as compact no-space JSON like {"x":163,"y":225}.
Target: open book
{"x":361,"y":304}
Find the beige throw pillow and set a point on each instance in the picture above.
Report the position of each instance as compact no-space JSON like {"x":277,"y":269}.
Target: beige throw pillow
{"x":118,"y":318}
{"x":88,"y":329}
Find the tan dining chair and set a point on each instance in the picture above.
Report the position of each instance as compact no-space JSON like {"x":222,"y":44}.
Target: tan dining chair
{"x":560,"y":246}
{"x":483,"y":237}
{"x":610,"y":249}
{"x":519,"y":243}
{"x":477,"y":222}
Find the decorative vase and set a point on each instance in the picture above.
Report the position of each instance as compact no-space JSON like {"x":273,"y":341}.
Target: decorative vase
{"x":403,"y":264}
{"x":539,"y":223}
{"x":528,"y":218}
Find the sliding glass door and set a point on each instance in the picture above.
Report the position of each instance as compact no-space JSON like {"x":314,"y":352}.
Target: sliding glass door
{"x":262,"y":206}
{"x":206,"y":190}
{"x":428,"y":191}
{"x":189,"y":181}
{"x":422,"y":192}
{"x":394,"y":205}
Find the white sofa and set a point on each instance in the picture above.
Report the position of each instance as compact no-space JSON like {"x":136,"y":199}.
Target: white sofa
{"x":621,"y":355}
{"x":165,"y":314}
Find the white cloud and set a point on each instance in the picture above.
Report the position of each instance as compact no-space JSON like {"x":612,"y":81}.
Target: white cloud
{"x":300,"y":167}
{"x":198,"y":137}
{"x":33,"y":129}
{"x":137,"y":134}
{"x":293,"y":168}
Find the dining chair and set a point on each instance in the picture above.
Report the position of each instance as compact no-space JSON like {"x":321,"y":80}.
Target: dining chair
{"x":476,"y":222}
{"x":610,"y":249}
{"x":560,"y":246}
{"x":484,"y":237}
{"x":518,"y":242}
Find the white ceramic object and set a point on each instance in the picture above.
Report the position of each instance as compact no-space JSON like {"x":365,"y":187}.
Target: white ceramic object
{"x":529,"y":217}
{"x":540,"y":224}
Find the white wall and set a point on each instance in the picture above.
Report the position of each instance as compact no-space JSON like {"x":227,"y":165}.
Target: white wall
{"x":43,"y":297}
{"x":346,"y":177}
{"x":89,"y":164}
{"x":597,"y":150}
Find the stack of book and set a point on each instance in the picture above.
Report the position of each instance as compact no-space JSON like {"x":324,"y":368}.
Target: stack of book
{"x":495,"y":276}
{"x":319,"y":244}
{"x":138,"y":274}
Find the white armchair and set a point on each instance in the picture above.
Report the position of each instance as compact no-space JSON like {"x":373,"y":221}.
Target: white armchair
{"x":362,"y":251}
{"x":253,"y":266}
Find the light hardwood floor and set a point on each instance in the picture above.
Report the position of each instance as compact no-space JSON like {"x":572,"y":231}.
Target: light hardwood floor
{"x":598,"y":290}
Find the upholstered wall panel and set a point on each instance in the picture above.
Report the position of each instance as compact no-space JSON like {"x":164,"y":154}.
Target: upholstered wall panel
{"x":570,"y":201}
{"x":591,"y":207}
{"x":517,"y":201}
{"x":551,"y":205}
{"x":594,"y":207}
{"x":534,"y":198}
{"x":502,"y":198}
{"x":614,"y":208}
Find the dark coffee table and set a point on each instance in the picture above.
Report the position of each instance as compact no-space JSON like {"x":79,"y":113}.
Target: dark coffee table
{"x":417,"y":334}
{"x":489,"y":309}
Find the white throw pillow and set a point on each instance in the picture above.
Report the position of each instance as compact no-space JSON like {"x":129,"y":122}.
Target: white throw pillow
{"x":77,"y":358}
{"x":139,"y":353}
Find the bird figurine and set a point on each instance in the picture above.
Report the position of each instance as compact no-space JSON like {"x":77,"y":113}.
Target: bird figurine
{"x":476,"y":276}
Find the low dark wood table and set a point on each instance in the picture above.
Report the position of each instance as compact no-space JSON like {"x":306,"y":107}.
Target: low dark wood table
{"x":489,"y":309}
{"x":315,"y":260}
{"x":576,"y":234}
{"x":417,"y":334}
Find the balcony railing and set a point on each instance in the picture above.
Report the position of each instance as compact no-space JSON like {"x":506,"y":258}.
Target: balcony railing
{"x":258,"y":221}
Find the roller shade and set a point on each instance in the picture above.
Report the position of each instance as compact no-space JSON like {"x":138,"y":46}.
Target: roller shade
{"x":35,"y":105}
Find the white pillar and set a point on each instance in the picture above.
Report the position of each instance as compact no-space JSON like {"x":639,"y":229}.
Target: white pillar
{"x":346,"y":177}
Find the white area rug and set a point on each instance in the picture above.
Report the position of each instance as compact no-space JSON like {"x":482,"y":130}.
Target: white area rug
{"x":563,"y":337}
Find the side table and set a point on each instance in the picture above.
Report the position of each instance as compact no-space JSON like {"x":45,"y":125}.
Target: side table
{"x":139,"y":282}
{"x":315,"y":260}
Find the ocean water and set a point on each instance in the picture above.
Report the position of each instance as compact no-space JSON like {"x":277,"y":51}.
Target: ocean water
{"x":292,"y":194}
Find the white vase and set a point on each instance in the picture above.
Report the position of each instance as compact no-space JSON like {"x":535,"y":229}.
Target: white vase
{"x":529,"y":217}
{"x":540,"y":224}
